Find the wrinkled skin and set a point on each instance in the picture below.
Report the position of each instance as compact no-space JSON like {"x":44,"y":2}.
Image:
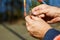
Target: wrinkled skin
{"x":47,"y":10}
{"x":36,"y":25}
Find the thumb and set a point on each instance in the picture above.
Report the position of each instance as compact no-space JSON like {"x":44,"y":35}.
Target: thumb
{"x":35,"y":18}
{"x":57,"y":19}
{"x":40,"y":11}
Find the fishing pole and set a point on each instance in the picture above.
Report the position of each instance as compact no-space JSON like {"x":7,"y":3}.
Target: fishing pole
{"x":25,"y":8}
{"x":25,"y":13}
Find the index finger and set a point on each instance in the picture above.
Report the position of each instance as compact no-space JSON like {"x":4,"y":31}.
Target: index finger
{"x":39,"y":9}
{"x":28,"y":19}
{"x":35,"y":9}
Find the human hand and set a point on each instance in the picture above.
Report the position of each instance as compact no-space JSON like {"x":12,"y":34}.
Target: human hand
{"x":42,"y":10}
{"x":37,"y":26}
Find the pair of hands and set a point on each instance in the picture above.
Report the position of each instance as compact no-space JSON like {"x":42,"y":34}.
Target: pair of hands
{"x":36,"y":25}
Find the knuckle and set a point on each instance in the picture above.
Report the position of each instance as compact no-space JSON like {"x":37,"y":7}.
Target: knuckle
{"x":43,"y":4}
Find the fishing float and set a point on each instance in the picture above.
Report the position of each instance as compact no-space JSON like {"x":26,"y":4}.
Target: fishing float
{"x":42,"y":1}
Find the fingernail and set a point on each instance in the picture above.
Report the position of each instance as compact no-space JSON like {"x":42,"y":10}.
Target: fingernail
{"x":49,"y":22}
{"x":34,"y":13}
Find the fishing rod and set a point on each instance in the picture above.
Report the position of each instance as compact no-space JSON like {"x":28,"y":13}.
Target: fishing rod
{"x":25,"y":8}
{"x":25,"y":13}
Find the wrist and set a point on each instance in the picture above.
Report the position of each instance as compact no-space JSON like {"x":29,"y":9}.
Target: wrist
{"x":48,"y":28}
{"x":51,"y":34}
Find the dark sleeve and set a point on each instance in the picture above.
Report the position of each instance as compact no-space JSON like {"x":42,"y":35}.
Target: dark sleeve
{"x":51,"y":34}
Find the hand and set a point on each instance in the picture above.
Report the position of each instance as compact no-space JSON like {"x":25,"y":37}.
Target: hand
{"x":37,"y":26}
{"x":47,"y":10}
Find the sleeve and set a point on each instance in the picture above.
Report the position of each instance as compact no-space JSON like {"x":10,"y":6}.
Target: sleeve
{"x":57,"y":37}
{"x":52,"y":34}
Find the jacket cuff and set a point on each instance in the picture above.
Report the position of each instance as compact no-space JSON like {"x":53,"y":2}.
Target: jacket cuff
{"x":51,"y":34}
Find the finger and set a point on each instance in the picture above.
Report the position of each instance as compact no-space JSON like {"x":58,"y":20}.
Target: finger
{"x":36,"y":12}
{"x":41,"y":16}
{"x":29,"y":27}
{"x":28,"y":19}
{"x":41,"y":11}
{"x":27,"y":24}
{"x":35,"y":9}
{"x":39,"y":7}
{"x":35,"y":18}
{"x":54,"y":20}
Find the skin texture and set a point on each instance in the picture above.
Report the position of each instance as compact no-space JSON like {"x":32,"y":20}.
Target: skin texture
{"x":36,"y":25}
{"x":47,"y":10}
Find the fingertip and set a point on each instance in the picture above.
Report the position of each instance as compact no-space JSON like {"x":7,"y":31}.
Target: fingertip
{"x":41,"y":16}
{"x":27,"y":17}
{"x":35,"y":18}
{"x":34,"y":10}
{"x":50,"y":22}
{"x":54,"y":20}
{"x":35,"y":13}
{"x":27,"y":24}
